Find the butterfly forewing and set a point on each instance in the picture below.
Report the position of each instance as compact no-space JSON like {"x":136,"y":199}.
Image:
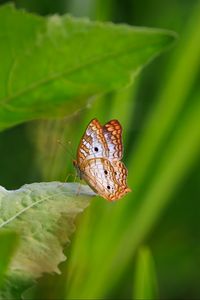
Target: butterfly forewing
{"x":93,"y":143}
{"x":113,"y":135}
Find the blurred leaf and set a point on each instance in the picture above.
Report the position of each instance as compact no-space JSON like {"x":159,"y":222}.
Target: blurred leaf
{"x":145,"y":283}
{"x":51,"y":66}
{"x":179,"y":156}
{"x":43,"y":215}
{"x":166,"y":151}
{"x":8,"y":242}
{"x":172,"y":98}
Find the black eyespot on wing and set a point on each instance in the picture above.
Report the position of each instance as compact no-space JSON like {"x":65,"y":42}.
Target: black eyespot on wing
{"x":115,"y":173}
{"x":108,"y":187}
{"x":96,"y":149}
{"x":105,"y":172}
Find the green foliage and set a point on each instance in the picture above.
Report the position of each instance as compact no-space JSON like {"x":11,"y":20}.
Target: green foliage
{"x":51,"y":66}
{"x":145,"y":283}
{"x":8,"y":242}
{"x":164,"y":153}
{"x":43,"y":215}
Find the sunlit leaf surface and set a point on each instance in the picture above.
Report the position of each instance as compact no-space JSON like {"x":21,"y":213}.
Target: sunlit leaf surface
{"x":43,"y":215}
{"x":51,"y":66}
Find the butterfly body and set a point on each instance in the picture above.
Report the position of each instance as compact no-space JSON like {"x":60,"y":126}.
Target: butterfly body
{"x":99,"y":160}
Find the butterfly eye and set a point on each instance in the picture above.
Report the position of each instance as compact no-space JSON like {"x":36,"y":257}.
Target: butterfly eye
{"x":115,"y":173}
{"x":105,"y":172}
{"x":96,"y":149}
{"x":108,"y":187}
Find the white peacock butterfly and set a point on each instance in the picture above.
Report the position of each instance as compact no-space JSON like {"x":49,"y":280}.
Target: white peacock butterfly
{"x":99,"y":160}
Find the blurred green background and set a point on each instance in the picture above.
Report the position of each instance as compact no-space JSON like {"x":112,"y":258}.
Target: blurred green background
{"x":160,"y":114}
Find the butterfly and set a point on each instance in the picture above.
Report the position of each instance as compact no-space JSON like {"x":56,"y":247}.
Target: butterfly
{"x":99,"y":157}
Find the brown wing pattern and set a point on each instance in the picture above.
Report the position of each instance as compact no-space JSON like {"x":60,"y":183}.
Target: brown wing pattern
{"x":101,"y":176}
{"x":98,"y":160}
{"x":93,"y":143}
{"x":113,"y":135}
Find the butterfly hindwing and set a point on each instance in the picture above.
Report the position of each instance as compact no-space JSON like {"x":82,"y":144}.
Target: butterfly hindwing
{"x":120,"y":172}
{"x":101,"y":176}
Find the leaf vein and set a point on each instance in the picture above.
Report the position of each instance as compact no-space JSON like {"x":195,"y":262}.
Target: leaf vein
{"x":28,"y":207}
{"x":65,"y":73}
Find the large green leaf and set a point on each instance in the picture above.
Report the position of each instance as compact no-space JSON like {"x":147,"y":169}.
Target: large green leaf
{"x":43,"y":216}
{"x":51,"y":66}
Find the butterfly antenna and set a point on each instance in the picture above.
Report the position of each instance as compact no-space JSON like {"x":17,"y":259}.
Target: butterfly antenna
{"x":67,"y":148}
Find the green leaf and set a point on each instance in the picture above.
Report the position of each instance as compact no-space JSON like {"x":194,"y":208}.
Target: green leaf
{"x":145,"y":283}
{"x":43,"y":215}
{"x":51,"y":66}
{"x":8,"y":242}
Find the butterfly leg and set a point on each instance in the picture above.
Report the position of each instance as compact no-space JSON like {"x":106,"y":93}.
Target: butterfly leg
{"x":74,"y":176}
{"x":78,"y":189}
{"x":67,"y":177}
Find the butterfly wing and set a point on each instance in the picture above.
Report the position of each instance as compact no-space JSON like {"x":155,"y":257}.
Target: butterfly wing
{"x":93,"y":143}
{"x":113,"y":135}
{"x":98,"y":160}
{"x":121,"y":173}
{"x":101,"y":177}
